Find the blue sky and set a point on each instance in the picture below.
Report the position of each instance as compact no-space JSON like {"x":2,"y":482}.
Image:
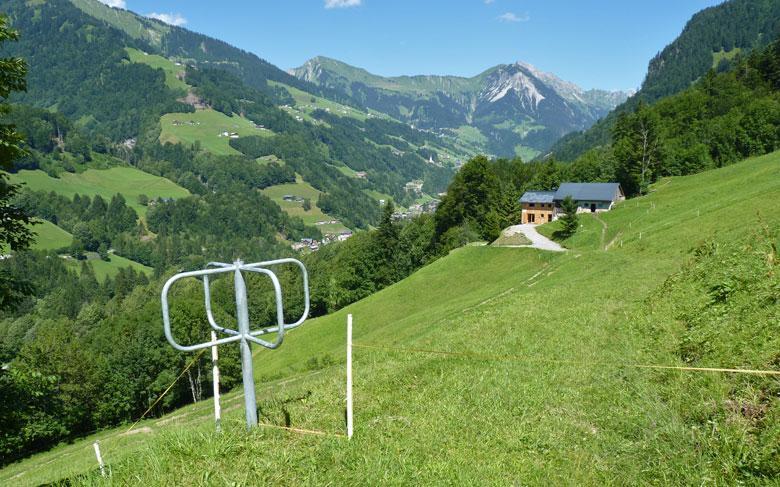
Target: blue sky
{"x":594,"y":43}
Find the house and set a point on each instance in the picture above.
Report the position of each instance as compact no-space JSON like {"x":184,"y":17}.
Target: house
{"x":538,"y":206}
{"x":545,"y":206}
{"x":590,"y":197}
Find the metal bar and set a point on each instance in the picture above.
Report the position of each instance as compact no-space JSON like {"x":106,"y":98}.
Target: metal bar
{"x":242,"y":312}
{"x":166,"y":311}
{"x":279,"y":328}
{"x":209,"y":315}
{"x":350,"y":420}
{"x":306,"y":298}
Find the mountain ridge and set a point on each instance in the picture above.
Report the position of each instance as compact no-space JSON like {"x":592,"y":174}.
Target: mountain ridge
{"x":447,"y":102}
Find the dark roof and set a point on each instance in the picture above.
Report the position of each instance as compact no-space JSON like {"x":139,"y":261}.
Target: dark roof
{"x":537,"y":197}
{"x":589,"y":191}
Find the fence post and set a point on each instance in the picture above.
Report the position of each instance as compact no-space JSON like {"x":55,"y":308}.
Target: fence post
{"x":99,"y":458}
{"x":215,"y":377}
{"x":349,"y":377}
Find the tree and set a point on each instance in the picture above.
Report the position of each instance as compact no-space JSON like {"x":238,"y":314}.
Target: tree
{"x":637,"y":148}
{"x":15,"y":222}
{"x":306,"y":204}
{"x":570,"y":220}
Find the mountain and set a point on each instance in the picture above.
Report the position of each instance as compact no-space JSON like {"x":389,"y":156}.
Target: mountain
{"x":713,"y":38}
{"x":137,"y":82}
{"x":516,"y":108}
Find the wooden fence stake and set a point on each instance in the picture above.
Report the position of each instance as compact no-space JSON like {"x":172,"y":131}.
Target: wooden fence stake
{"x":349,"y":377}
{"x":99,"y":458}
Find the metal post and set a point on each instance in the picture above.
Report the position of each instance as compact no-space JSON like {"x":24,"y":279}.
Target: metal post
{"x":99,"y":458}
{"x":349,"y":377}
{"x":242,"y":310}
{"x":215,"y":377}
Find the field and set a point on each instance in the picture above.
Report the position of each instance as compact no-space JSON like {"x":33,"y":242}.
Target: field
{"x":304,"y":104}
{"x":127,"y":181}
{"x":111,"y":267}
{"x":159,"y":62}
{"x":304,"y":190}
{"x":503,"y":366}
{"x":50,"y":236}
{"x":206,"y":127}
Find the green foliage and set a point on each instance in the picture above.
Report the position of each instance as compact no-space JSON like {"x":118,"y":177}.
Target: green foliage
{"x":570,"y":221}
{"x":736,"y":27}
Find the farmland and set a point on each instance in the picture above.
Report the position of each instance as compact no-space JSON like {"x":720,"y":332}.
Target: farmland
{"x":127,"y":181}
{"x":503,"y":365}
{"x":206,"y":127}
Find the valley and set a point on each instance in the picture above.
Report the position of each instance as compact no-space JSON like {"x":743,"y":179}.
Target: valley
{"x":630,"y":337}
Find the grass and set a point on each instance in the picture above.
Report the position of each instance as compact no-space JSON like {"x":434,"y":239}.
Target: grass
{"x":127,"y":181}
{"x":158,"y":62}
{"x":510,"y":239}
{"x":110,"y":268}
{"x":206,"y":127}
{"x":304,"y":103}
{"x":50,"y":237}
{"x":545,"y":392}
{"x":304,"y":190}
{"x":718,"y":56}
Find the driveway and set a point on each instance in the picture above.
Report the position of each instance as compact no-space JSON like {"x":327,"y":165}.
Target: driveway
{"x":538,"y":241}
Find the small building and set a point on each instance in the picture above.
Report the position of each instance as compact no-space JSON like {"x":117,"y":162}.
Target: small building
{"x":545,"y":206}
{"x":590,"y":197}
{"x":538,"y":206}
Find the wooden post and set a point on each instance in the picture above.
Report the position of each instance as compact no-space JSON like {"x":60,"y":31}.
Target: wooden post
{"x":99,"y":458}
{"x":349,"y":377}
{"x":215,"y":377}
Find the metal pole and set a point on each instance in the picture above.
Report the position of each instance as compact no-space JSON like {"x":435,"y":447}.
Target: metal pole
{"x":215,"y":377}
{"x":99,"y":458}
{"x":349,"y":377}
{"x":242,"y":310}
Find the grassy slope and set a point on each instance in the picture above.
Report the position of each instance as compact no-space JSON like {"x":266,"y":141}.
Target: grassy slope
{"x":158,"y":62}
{"x":207,"y":125}
{"x":50,"y":236}
{"x":567,"y":412}
{"x":128,"y":181}
{"x":293,"y":208}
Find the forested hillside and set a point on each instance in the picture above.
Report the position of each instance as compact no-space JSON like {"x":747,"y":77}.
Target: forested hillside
{"x":715,"y":38}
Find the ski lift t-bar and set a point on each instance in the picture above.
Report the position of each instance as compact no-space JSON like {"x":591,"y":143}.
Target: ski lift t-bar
{"x":245,"y":335}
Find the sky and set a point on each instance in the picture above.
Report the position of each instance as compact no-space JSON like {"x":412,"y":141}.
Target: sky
{"x":594,"y":43}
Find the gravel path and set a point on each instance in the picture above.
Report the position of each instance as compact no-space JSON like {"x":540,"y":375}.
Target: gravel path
{"x":538,"y":241}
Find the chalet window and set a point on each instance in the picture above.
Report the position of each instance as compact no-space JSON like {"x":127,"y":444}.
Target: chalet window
{"x":531,"y":204}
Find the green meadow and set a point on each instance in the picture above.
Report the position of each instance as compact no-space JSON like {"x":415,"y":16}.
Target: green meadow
{"x":206,"y":127}
{"x":50,"y":237}
{"x":170,"y":68}
{"x":513,"y":366}
{"x":110,"y":268}
{"x":127,"y":181}
{"x":304,"y":190}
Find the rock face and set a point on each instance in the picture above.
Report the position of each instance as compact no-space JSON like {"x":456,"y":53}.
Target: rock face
{"x":513,"y":106}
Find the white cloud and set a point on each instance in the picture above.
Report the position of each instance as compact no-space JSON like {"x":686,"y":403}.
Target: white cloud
{"x":512,"y":17}
{"x":115,"y":3}
{"x":172,"y":19}
{"x":342,"y":3}
{"x":488,"y":2}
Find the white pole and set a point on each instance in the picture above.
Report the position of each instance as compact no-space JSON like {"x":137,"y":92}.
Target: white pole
{"x":99,"y":458}
{"x":349,"y":377}
{"x":215,"y":377}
